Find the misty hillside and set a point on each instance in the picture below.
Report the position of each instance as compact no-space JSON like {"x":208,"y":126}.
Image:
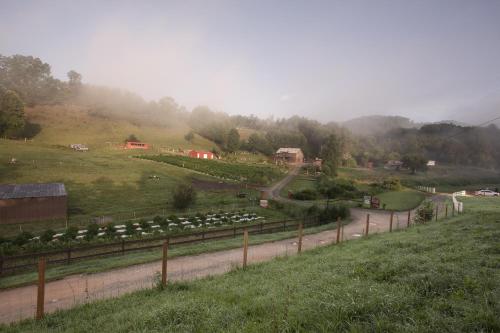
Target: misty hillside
{"x":377,"y":124}
{"x":66,"y":124}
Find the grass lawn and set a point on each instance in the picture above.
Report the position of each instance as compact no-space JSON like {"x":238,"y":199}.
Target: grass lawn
{"x":140,"y":257}
{"x":299,"y":183}
{"x":438,"y":277}
{"x":400,"y":200}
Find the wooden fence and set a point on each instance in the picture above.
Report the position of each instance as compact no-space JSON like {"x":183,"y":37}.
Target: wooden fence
{"x":12,"y":264}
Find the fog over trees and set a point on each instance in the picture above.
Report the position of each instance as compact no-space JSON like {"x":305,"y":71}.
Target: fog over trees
{"x":27,"y":81}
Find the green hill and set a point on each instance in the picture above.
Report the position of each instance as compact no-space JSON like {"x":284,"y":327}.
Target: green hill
{"x":66,"y":124}
{"x":105,"y":181}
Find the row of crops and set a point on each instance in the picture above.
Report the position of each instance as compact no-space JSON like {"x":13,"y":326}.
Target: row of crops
{"x":251,"y":173}
{"x":27,"y":242}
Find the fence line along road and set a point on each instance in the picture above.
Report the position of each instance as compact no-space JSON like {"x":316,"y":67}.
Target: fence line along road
{"x":11,"y":264}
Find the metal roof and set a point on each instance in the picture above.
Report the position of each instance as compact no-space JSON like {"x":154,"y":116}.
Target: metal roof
{"x":17,"y":191}
{"x":289,"y":150}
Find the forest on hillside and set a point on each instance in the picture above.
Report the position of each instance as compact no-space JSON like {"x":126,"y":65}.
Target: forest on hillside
{"x":27,"y":81}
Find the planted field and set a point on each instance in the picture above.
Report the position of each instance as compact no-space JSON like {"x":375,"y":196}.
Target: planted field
{"x":429,"y":278}
{"x":250,"y":173}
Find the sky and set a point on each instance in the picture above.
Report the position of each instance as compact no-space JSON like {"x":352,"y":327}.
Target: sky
{"x":428,"y":60}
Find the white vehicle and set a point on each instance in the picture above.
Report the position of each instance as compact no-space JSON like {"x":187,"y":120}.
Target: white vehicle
{"x":487,"y":193}
{"x":79,"y":147}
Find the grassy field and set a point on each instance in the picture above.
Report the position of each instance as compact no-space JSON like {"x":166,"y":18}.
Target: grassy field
{"x":106,"y":180}
{"x":444,"y":178}
{"x":298,"y":184}
{"x":438,"y":277}
{"x":140,"y":257}
{"x":400,"y":200}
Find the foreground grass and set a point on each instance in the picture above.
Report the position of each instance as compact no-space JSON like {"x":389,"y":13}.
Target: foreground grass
{"x":141,"y":257}
{"x":401,"y":200}
{"x":440,"y":277}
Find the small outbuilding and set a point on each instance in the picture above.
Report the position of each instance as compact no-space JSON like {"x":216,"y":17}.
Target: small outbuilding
{"x":201,"y":154}
{"x":136,"y":145}
{"x":289,"y":155}
{"x":431,"y":163}
{"x":32,"y":202}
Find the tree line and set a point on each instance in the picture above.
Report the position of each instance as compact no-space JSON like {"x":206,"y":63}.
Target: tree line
{"x":27,"y":81}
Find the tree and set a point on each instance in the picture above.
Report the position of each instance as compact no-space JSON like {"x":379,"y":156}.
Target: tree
{"x":415,"y":162}
{"x":233,"y":140}
{"x":75,"y":79}
{"x":331,"y":154}
{"x":184,"y":195}
{"x":189,"y":136}
{"x":132,"y":138}
{"x":11,"y":114}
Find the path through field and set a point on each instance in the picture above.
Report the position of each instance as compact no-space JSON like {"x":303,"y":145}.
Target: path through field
{"x":20,"y":303}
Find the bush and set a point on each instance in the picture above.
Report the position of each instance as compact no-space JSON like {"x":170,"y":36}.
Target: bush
{"x":331,"y":213}
{"x":92,"y":230}
{"x":184,"y":196}
{"x":110,"y":230}
{"x":22,"y":238}
{"x":70,"y":233}
{"x":306,"y":194}
{"x":47,"y":236}
{"x":424,"y":213}
{"x":129,"y":228}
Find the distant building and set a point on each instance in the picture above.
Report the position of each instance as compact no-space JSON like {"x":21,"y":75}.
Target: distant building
{"x":431,"y":163}
{"x":289,"y":155}
{"x":317,"y":163}
{"x":393,"y":165}
{"x":201,"y":154}
{"x":136,"y":145}
{"x":32,"y":202}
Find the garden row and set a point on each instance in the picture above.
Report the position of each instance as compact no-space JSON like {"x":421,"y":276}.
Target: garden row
{"x":251,"y":173}
{"x":27,"y":242}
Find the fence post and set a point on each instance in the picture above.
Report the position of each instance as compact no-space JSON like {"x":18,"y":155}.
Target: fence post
{"x":453,"y":209}
{"x":390,"y":223}
{"x":446,"y":211}
{"x":245,"y":248}
{"x":437,"y":211}
{"x":234,"y":231}
{"x":164,"y":263}
{"x":123,"y":246}
{"x":367,"y":224}
{"x":40,"y":300}
{"x":68,"y":254}
{"x":299,"y":248}
{"x":342,"y":238}
{"x":408,"y":223}
{"x":1,"y":265}
{"x":261,"y":227}
{"x":284,"y":225}
{"x":338,"y":230}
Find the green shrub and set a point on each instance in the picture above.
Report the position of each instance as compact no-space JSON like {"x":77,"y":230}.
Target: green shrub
{"x":184,"y":196}
{"x":424,"y":213}
{"x":70,"y":233}
{"x":92,"y":230}
{"x":22,"y":238}
{"x":129,"y":228}
{"x":306,"y":194}
{"x":47,"y":236}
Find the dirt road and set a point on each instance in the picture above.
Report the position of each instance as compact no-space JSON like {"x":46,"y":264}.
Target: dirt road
{"x":20,"y":303}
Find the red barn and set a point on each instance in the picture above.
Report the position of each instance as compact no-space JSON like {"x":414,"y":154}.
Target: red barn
{"x":136,"y":145}
{"x":201,"y":154}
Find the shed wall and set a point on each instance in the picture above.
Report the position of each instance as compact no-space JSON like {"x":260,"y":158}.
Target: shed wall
{"x":32,"y":209}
